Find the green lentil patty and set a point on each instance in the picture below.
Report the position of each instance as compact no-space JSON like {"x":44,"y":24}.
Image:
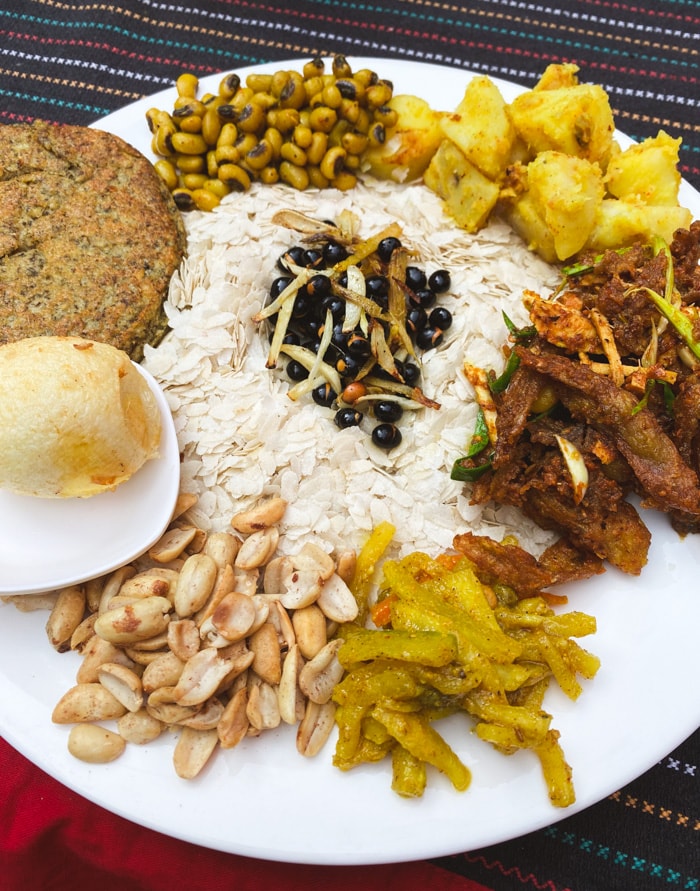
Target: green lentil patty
{"x":89,"y":237}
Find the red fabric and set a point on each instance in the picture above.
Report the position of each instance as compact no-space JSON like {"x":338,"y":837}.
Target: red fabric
{"x":55,"y":840}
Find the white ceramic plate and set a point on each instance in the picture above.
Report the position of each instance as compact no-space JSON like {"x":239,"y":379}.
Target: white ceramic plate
{"x":264,"y":800}
{"x":48,"y":543}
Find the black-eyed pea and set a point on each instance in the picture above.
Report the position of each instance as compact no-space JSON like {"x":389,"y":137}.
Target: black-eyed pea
{"x":260,"y":156}
{"x":192,"y":751}
{"x":229,"y":85}
{"x":167,"y":172}
{"x":344,"y":181}
{"x":235,"y":177}
{"x":317,"y":148}
{"x":187,"y":84}
{"x":187,"y":143}
{"x":316,"y":178}
{"x":274,"y":139}
{"x":183,"y":199}
{"x":332,"y":162}
{"x":378,"y":94}
{"x":205,"y":199}
{"x":227,"y":135}
{"x":221,"y":190}
{"x":191,"y":123}
{"x":269,"y":175}
{"x":186,"y":164}
{"x":139,"y":727}
{"x":323,"y":118}
{"x":251,"y":118}
{"x":84,"y":703}
{"x":95,"y":744}
{"x":211,"y":125}
{"x":310,"y":629}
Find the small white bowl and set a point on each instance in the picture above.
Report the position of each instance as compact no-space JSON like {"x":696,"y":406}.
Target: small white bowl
{"x":48,"y":543}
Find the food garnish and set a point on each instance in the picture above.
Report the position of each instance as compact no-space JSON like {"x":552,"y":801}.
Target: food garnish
{"x":352,"y":316}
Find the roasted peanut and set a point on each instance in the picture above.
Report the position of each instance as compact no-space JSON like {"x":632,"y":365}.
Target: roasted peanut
{"x":95,"y":744}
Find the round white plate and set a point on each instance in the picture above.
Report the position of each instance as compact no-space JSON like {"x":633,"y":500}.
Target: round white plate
{"x":48,"y":543}
{"x":264,"y":800}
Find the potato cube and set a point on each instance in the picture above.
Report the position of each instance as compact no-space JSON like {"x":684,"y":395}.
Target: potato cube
{"x":620,"y":222}
{"x":567,"y":192}
{"x":468,"y":195}
{"x":410,"y":145}
{"x":575,"y":120}
{"x":647,"y":172}
{"x":481,"y":127}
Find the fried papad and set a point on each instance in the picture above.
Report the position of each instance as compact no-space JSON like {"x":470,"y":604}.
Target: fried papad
{"x":89,"y":237}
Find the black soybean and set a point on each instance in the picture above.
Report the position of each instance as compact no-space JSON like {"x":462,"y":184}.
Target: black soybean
{"x":319,"y":287}
{"x":334,"y":253}
{"x":279,"y":284}
{"x":295,"y":256}
{"x":415,"y":278}
{"x":347,"y":417}
{"x":425,"y":298}
{"x":429,"y":338}
{"x":386,"y":436}
{"x":440,"y":281}
{"x":323,"y":395}
{"x":411,"y":373}
{"x":440,"y":318}
{"x":296,"y":371}
{"x":388,"y":410}
{"x":416,"y":318}
{"x":386,"y":248}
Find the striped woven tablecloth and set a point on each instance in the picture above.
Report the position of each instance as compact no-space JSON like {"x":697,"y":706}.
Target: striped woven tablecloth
{"x":77,"y":61}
